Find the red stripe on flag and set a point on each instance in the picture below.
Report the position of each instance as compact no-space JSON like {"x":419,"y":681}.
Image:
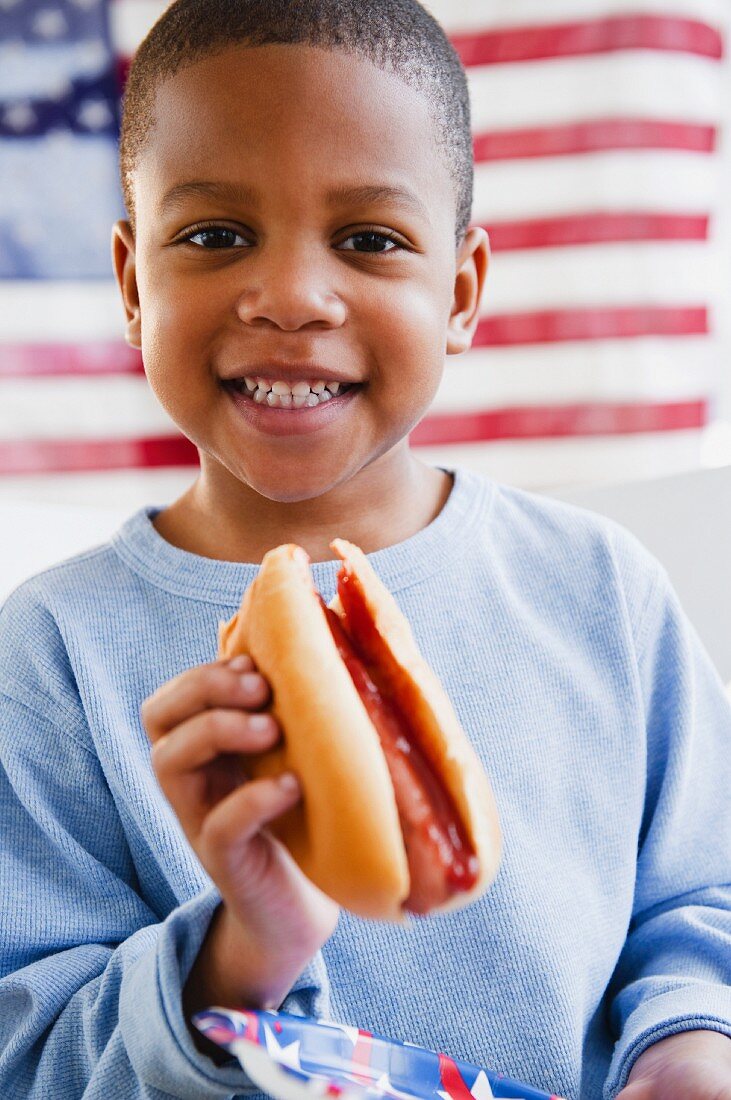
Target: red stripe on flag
{"x":102,"y":357}
{"x":360,"y":1057}
{"x":122,"y":65}
{"x":554,"y":326}
{"x":595,"y":229}
{"x":116,"y":358}
{"x":592,"y":137}
{"x":544,"y":422}
{"x":84,"y":455}
{"x":252,"y":1027}
{"x":524,"y":422}
{"x":622,"y":32}
{"x":533,"y":42}
{"x":453,"y":1084}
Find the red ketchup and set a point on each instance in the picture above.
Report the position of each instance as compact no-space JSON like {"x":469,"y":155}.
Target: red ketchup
{"x":441,"y":859}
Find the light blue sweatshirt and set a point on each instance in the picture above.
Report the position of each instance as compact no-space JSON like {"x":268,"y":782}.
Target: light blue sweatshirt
{"x":599,"y":718}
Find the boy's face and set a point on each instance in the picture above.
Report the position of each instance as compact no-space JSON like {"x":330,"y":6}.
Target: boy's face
{"x":295,"y":277}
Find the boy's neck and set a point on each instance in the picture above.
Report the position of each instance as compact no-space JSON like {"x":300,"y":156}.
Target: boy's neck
{"x":377,"y":508}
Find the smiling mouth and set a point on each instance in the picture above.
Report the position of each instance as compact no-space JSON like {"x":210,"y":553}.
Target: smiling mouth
{"x":299,"y":397}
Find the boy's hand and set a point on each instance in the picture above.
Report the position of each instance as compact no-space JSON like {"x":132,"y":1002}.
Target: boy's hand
{"x":694,"y":1065}
{"x":273,"y":919}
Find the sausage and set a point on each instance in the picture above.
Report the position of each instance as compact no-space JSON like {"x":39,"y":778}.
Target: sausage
{"x":440,"y":857}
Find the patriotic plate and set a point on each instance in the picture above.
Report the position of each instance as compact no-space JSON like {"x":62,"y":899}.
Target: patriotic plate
{"x":301,"y":1058}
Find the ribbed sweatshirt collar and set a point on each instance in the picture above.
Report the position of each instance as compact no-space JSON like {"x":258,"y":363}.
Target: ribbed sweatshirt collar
{"x":433,"y":548}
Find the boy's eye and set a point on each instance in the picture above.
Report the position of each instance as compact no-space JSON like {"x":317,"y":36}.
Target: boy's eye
{"x":370,"y":242}
{"x":214,"y":236}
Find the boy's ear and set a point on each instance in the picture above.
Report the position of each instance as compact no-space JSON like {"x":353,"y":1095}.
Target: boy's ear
{"x":469,"y":282}
{"x":123,"y":259}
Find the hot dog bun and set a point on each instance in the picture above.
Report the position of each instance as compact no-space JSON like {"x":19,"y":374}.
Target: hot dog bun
{"x":346,"y":834}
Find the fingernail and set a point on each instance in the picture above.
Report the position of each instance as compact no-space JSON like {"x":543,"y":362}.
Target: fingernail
{"x":251,"y":681}
{"x":288,"y":782}
{"x":239,"y":663}
{"x":260,"y":723}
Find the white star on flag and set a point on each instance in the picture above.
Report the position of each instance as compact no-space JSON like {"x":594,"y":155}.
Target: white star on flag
{"x":352,"y":1032}
{"x":481,"y":1089}
{"x":286,"y":1056}
{"x":268,"y":1075}
{"x":59,"y":89}
{"x":50,"y":23}
{"x":19,"y":116}
{"x":384,"y":1084}
{"x":92,"y":57}
{"x":94,"y":114}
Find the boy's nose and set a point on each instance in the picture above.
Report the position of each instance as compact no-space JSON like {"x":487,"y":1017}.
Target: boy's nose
{"x":291,"y":299}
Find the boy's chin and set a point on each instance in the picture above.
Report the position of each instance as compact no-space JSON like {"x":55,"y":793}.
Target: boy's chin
{"x":293,"y":486}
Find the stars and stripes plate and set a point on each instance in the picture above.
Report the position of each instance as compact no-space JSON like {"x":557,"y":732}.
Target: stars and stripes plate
{"x":301,"y":1058}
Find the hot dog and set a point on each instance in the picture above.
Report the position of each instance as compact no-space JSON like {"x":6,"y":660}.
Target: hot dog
{"x":397,"y":814}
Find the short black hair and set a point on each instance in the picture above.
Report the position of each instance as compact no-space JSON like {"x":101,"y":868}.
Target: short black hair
{"x":398,"y":36}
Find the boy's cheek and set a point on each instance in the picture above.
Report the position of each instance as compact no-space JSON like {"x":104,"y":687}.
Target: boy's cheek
{"x":394,"y":334}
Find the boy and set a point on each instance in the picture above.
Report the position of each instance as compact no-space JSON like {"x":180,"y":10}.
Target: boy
{"x":298,"y":180}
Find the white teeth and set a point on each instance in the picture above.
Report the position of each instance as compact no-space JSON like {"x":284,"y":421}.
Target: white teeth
{"x":298,"y":389}
{"x":282,"y":395}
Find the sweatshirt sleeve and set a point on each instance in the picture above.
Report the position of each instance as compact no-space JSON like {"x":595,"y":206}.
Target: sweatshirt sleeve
{"x":91,"y":978}
{"x":674,"y":973}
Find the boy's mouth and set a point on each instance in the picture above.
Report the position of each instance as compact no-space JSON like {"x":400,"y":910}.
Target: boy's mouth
{"x":288,"y":395}
{"x":290,"y":408}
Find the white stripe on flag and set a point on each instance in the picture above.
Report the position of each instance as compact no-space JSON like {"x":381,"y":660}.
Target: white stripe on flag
{"x":650,"y":273}
{"x":81,"y":408}
{"x":541,"y":464}
{"x":465,"y":15}
{"x":637,"y":83}
{"x":646,"y":369}
{"x":130,"y":20}
{"x":646,"y":273}
{"x":658,"y":181}
{"x":531,"y":464}
{"x":60,"y":310}
{"x":128,"y":489}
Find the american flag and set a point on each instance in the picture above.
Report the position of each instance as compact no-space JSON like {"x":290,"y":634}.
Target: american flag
{"x":596,"y":130}
{"x":302,"y":1058}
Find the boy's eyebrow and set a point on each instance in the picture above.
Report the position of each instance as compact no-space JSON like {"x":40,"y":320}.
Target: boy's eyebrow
{"x":208,"y":189}
{"x":375,"y":193}
{"x":239,"y":192}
